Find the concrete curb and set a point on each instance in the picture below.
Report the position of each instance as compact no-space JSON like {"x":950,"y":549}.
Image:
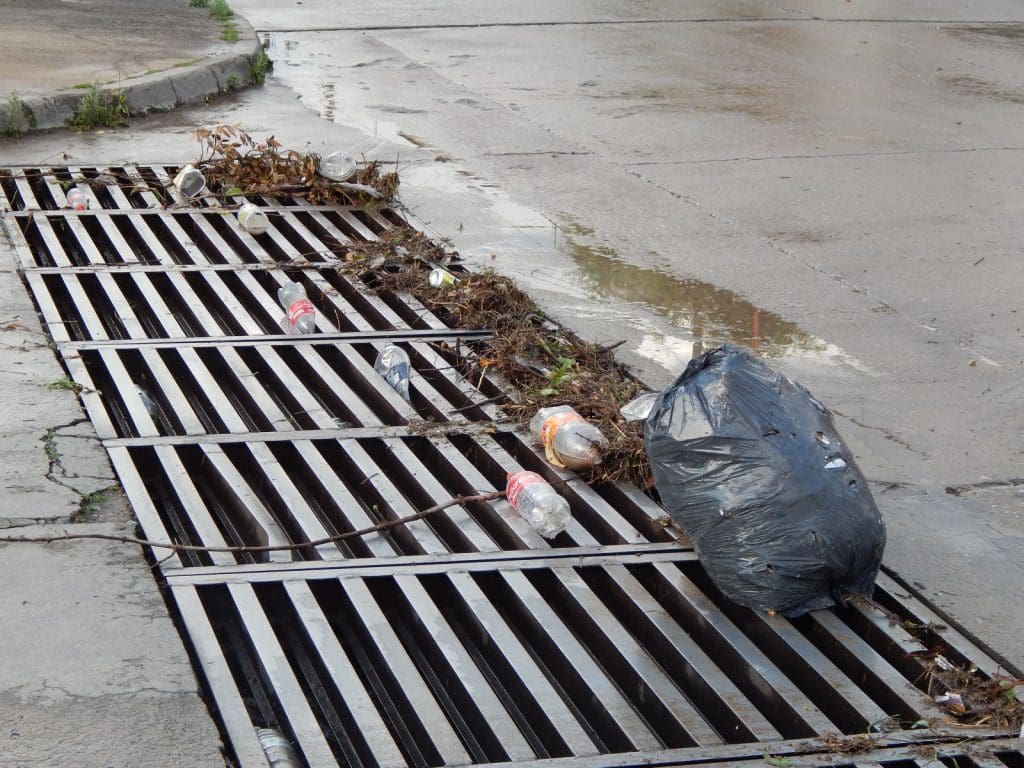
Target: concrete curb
{"x":160,"y":91}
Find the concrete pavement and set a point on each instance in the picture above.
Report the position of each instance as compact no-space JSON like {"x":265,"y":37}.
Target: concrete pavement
{"x":95,"y":674}
{"x":160,"y":54}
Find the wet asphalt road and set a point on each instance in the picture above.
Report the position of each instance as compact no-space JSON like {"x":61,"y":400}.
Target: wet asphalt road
{"x":835,"y":184}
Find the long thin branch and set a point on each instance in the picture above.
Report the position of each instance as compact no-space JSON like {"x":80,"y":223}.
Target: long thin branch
{"x":458,"y":500}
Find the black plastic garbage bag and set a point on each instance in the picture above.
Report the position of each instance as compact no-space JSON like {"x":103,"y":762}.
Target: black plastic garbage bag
{"x":750,"y":465}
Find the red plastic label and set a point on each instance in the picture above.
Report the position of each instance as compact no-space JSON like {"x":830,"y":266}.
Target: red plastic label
{"x":516,"y":483}
{"x":298,"y":309}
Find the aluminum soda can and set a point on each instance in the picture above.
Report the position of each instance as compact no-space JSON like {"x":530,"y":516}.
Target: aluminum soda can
{"x":440,"y":278}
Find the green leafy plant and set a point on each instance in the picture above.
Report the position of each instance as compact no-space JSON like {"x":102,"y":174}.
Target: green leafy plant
{"x":14,"y":117}
{"x":50,"y":446}
{"x":198,"y":3}
{"x":229,"y":34}
{"x":220,"y":10}
{"x":261,"y":65}
{"x":65,"y":384}
{"x":100,"y":109}
{"x":232,"y":82}
{"x":90,"y":505}
{"x":562,"y":374}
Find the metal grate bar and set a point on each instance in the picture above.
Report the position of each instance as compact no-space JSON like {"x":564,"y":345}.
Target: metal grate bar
{"x":395,"y":669}
{"x":428,"y":565}
{"x":366,"y":718}
{"x":762,"y":681}
{"x":390,"y":477}
{"x":245,"y":388}
{"x":302,"y":725}
{"x":204,"y":302}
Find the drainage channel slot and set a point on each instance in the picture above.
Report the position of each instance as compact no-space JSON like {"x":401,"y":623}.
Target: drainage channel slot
{"x":302,"y":490}
{"x":264,"y":388}
{"x":207,"y":302}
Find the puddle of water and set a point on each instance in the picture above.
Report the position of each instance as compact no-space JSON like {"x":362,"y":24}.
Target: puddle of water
{"x":333,"y":91}
{"x":670,"y":318}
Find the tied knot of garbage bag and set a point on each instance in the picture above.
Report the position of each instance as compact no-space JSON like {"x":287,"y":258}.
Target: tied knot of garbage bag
{"x":751,"y":466}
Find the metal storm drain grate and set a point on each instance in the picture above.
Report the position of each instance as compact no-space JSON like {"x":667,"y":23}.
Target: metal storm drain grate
{"x":462,"y":638}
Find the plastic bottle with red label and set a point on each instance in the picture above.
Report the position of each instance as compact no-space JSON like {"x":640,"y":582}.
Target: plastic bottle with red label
{"x":569,"y":440}
{"x":537,"y":503}
{"x":77,"y":200}
{"x":300,"y":314}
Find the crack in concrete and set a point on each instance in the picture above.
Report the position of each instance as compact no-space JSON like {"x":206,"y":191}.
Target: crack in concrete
{"x":824,"y":156}
{"x":537,"y":153}
{"x":30,"y":522}
{"x":888,"y":434}
{"x":624,"y":22}
{"x":958,"y":490}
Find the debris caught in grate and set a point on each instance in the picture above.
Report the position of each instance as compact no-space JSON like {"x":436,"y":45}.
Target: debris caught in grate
{"x":463,"y":638}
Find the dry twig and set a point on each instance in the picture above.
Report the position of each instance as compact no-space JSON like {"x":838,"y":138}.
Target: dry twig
{"x":176,"y":547}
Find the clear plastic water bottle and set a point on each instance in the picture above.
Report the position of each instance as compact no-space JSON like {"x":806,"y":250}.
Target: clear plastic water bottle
{"x":569,"y":440}
{"x":279,"y":751}
{"x":77,"y":200}
{"x":537,"y":503}
{"x":338,"y":166}
{"x":300,"y":314}
{"x":639,"y":408}
{"x":393,"y":364}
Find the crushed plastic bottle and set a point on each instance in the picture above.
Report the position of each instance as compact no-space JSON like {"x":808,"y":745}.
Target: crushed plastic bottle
{"x":393,"y":364}
{"x":189,"y":181}
{"x":537,"y":503}
{"x":279,"y":751}
{"x":252,"y":219}
{"x":77,"y":200}
{"x":300,"y":314}
{"x":639,"y":408}
{"x":338,"y":166}
{"x":147,"y":401}
{"x":568,"y":439}
{"x":441,"y":278}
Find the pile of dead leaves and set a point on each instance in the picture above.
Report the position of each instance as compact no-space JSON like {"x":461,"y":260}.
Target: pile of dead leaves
{"x":975,"y":699}
{"x":236,"y":164}
{"x":542,"y":363}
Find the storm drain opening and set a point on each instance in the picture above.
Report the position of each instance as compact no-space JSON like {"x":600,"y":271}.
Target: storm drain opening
{"x":463,"y":638}
{"x":516,"y":662}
